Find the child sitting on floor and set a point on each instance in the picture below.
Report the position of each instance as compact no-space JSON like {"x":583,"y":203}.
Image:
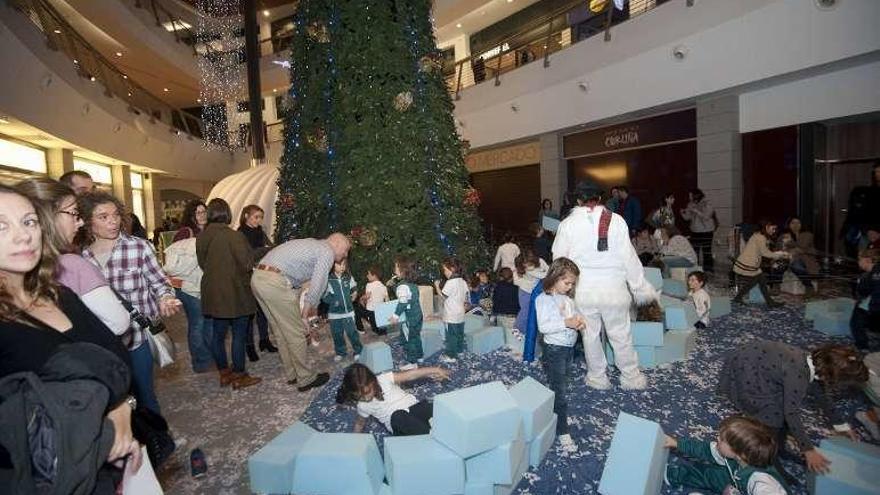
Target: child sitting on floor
{"x":866,"y":314}
{"x":740,"y":461}
{"x":699,"y":296}
{"x":382,"y":398}
{"x":339,"y":296}
{"x":559,"y":322}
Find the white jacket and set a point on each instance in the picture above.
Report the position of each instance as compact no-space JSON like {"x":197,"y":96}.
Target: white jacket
{"x":181,"y":263}
{"x":605,"y":275}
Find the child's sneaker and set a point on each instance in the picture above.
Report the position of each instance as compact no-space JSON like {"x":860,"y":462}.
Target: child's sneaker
{"x":197,"y":464}
{"x":408,"y":366}
{"x":566,"y":443}
{"x":447,"y":359}
{"x":337,"y":358}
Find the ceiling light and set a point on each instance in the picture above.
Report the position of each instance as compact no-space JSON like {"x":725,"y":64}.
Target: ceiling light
{"x":274,"y":90}
{"x":124,"y":76}
{"x":129,"y":93}
{"x":166,"y":90}
{"x":92,"y":78}
{"x":458,"y":25}
{"x":75,"y":61}
{"x":118,"y":54}
{"x":56,"y":31}
{"x":509,"y":1}
{"x":265,"y":13}
{"x":198,"y":100}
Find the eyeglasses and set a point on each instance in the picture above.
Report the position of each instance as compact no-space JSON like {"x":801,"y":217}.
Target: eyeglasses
{"x":75,"y":214}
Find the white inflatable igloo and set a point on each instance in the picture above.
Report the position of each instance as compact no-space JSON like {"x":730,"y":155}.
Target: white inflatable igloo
{"x":258,"y":186}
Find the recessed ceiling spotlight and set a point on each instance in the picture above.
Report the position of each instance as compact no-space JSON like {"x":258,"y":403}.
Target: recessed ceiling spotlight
{"x":458,"y":25}
{"x":56,"y":31}
{"x":198,"y":100}
{"x":75,"y":61}
{"x":274,"y":90}
{"x":118,"y":54}
{"x":92,"y":78}
{"x":124,"y":76}
{"x":129,"y":93}
{"x":166,"y":90}
{"x":265,"y":13}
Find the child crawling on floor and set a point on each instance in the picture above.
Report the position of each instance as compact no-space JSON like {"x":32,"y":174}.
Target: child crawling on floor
{"x":382,"y":398}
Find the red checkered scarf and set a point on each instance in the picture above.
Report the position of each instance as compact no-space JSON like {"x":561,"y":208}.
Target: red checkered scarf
{"x":604,"y":223}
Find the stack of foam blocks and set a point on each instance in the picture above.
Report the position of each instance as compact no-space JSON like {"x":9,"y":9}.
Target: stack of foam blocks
{"x":830,"y":316}
{"x":854,"y":469}
{"x":483,"y":440}
{"x":636,"y":459}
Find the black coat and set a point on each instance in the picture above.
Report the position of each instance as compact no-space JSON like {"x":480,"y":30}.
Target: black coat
{"x":55,"y":421}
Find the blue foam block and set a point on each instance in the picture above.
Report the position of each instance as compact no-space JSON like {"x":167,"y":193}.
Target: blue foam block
{"x":754,"y":296}
{"x":434,"y":324}
{"x":325,"y":455}
{"x":498,"y":465}
{"x":647,"y":333}
{"x":486,"y":340}
{"x":654,"y":277}
{"x":271,"y":467}
{"x":377,"y":357}
{"x":475,"y":419}
{"x":647,"y":355}
{"x":832,"y":323}
{"x":855,"y":469}
{"x":473,"y":323}
{"x":521,"y":469}
{"x":636,"y":459}
{"x":720,"y":306}
{"x":670,"y":302}
{"x":473,"y":488}
{"x":385,"y":311}
{"x":675,"y":318}
{"x":432,"y":342}
{"x":842,"y":304}
{"x":541,"y":444}
{"x":535,"y":402}
{"x":418,"y":464}
{"x":677,"y":345}
{"x":674,"y":288}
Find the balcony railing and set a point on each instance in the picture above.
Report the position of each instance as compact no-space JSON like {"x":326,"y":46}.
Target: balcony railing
{"x":91,"y":65}
{"x":540,"y":38}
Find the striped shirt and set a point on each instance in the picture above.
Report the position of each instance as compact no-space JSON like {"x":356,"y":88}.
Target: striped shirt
{"x":134,"y":272}
{"x":304,"y":260}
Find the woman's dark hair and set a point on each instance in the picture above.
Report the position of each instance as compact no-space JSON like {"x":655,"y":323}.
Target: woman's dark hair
{"x":765,"y":227}
{"x":356,"y":378}
{"x":505,"y":274}
{"x":453,"y":265}
{"x":535,"y":229}
{"x":749,"y":439}
{"x":219,"y":212}
{"x":189,"y":215}
{"x":700,"y":276}
{"x":407,"y":268}
{"x":48,"y":194}
{"x":246,"y":212}
{"x":507,"y":237}
{"x":697,"y":194}
{"x":642,"y":228}
{"x":86,"y":204}
{"x":839,"y":365}
{"x":558,"y":269}
{"x":545,"y":201}
{"x":40,"y":281}
{"x":665,"y":197}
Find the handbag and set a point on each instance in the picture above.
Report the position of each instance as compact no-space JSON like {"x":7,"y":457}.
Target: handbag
{"x":161,"y":345}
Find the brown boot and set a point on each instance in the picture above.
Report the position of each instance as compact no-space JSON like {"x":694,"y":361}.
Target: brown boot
{"x":226,"y":377}
{"x":244,"y":380}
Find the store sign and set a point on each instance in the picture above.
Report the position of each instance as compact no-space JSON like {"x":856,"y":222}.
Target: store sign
{"x":500,"y":158}
{"x":667,"y":128}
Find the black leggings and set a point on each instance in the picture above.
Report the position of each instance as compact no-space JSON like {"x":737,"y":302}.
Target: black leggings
{"x":702,"y":243}
{"x":746,"y":284}
{"x":413,"y":422}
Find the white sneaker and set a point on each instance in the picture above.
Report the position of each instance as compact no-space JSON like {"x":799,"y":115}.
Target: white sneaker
{"x":409,"y":366}
{"x":599,"y":384}
{"x":566,"y":443}
{"x":448,"y":359}
{"x":337,"y":359}
{"x":639,"y":382}
{"x":357,"y":357}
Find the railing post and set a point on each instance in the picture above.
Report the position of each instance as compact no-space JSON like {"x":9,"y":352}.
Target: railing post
{"x":547,"y":44}
{"x":498,"y":71}
{"x":458,"y":82}
{"x":608,"y":21}
{"x":155,"y":12}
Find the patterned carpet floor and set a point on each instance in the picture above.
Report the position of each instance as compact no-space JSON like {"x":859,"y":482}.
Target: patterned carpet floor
{"x":229,"y":425}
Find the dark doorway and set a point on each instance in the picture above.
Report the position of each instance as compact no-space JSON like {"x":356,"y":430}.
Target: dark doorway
{"x":510,"y":199}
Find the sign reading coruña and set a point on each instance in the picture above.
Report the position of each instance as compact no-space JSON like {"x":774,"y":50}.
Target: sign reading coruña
{"x":652,"y":131}
{"x":622,"y":137}
{"x":508,"y":157}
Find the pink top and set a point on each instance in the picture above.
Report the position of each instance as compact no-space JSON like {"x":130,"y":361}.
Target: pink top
{"x":78,"y":274}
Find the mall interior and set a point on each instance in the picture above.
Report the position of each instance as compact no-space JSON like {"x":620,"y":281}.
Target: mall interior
{"x":770,"y":109}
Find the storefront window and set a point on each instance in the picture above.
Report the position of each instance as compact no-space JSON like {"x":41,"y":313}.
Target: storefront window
{"x":101,"y":174}
{"x":16,"y":155}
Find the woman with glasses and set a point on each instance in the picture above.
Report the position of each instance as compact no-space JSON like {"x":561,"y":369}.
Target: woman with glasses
{"x":73,"y":271}
{"x":130,"y":265}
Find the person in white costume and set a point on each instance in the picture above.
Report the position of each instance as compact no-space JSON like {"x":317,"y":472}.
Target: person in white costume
{"x":611,"y":276}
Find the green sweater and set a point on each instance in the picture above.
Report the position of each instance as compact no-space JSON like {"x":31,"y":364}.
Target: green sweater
{"x":716,"y":472}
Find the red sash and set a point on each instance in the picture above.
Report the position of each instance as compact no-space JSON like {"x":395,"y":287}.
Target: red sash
{"x":604,"y":223}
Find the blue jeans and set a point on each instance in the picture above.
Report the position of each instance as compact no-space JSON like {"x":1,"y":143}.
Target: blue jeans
{"x":142,"y":377}
{"x":239,"y":335}
{"x":557,"y":365}
{"x":199,"y":332}
{"x":262,"y":327}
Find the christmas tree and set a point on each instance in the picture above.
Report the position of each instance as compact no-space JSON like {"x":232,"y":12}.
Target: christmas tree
{"x":371,"y":148}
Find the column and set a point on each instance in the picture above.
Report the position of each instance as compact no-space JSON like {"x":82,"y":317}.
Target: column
{"x":719,"y":164}
{"x":462,"y":48}
{"x":58,"y":162}
{"x":554,"y":170}
{"x":122,"y":183}
{"x":151,"y":206}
